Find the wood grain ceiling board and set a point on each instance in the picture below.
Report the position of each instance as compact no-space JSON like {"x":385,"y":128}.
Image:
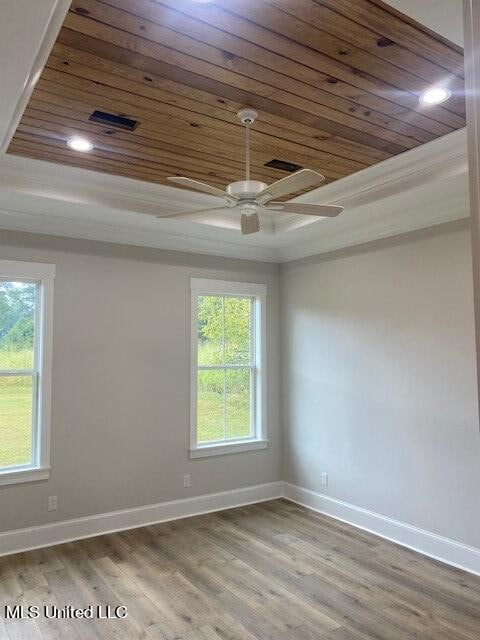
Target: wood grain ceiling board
{"x":336,"y":84}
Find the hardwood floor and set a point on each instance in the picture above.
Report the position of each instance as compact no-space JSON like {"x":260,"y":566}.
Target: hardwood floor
{"x":274,"y":570}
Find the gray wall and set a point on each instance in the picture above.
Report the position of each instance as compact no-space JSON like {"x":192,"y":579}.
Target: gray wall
{"x":379,"y":388}
{"x":121,"y":381}
{"x":380,"y":381}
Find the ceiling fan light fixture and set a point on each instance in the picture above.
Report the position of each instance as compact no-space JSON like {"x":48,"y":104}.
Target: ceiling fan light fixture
{"x":435,"y":95}
{"x":251,"y":197}
{"x":78,"y":143}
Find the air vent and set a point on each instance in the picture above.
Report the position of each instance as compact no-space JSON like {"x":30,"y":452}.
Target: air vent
{"x":283,"y":165}
{"x":112,"y":120}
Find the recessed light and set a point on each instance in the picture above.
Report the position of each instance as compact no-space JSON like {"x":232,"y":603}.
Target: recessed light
{"x":77,"y":143}
{"x":435,"y":95}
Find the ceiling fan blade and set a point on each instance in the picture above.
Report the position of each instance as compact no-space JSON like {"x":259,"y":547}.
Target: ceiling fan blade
{"x":290,"y":184}
{"x":189,"y":213}
{"x":321,"y":210}
{"x":249,"y":223}
{"x":196,"y":185}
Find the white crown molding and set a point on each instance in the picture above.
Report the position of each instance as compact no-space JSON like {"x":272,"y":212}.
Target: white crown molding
{"x":129,"y":235}
{"x":439,"y":160}
{"x":103,"y":523}
{"x":427,"y":543}
{"x":212,"y":233}
{"x":442,"y":158}
{"x":71,"y":184}
{"x":387,"y":199}
{"x":386,"y":218}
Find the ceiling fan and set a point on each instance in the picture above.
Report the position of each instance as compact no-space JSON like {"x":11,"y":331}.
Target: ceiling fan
{"x":249,"y":197}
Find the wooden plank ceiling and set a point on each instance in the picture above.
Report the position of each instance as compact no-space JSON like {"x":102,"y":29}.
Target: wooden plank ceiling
{"x":336,"y":84}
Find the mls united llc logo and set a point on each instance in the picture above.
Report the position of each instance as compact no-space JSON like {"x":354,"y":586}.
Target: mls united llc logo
{"x":97,"y":612}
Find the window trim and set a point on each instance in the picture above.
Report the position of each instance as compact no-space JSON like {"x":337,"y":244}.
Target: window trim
{"x":204,"y":286}
{"x":44,"y":275}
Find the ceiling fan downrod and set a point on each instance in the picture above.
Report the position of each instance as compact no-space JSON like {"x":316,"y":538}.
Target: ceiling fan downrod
{"x":249,"y":197}
{"x":247,"y":117}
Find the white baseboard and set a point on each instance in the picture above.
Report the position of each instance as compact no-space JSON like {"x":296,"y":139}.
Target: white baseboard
{"x":68,"y":530}
{"x":429,"y":544}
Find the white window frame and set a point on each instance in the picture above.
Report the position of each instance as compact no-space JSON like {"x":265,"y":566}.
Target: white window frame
{"x":43,"y":275}
{"x":199,"y":287}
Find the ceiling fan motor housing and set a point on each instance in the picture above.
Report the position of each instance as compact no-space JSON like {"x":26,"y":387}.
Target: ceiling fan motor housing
{"x":246,"y":189}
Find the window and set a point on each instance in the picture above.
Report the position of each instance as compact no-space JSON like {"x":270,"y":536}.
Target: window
{"x":228,"y":409}
{"x":26,"y":298}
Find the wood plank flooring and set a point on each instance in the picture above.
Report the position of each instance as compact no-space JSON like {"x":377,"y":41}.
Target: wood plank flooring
{"x":269,"y":571}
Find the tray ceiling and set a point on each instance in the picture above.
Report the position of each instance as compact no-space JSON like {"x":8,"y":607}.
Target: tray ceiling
{"x":336,"y":84}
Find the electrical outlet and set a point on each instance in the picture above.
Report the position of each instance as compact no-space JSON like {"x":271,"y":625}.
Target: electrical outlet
{"x":186,"y":481}
{"x":324,"y":479}
{"x":52,"y":503}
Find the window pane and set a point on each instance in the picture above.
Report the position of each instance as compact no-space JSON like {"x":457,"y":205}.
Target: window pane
{"x":17,"y":323}
{"x":16,"y":394}
{"x":210,"y":405}
{"x":210,"y":330}
{"x":238,"y":320}
{"x":238,"y":403}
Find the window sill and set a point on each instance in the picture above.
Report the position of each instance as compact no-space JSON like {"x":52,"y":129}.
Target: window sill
{"x":209,"y":450}
{"x":24,"y":475}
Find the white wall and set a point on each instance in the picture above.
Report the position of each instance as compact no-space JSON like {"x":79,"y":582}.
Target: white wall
{"x":380,"y":381}
{"x":121,"y":375}
{"x":442,"y":16}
